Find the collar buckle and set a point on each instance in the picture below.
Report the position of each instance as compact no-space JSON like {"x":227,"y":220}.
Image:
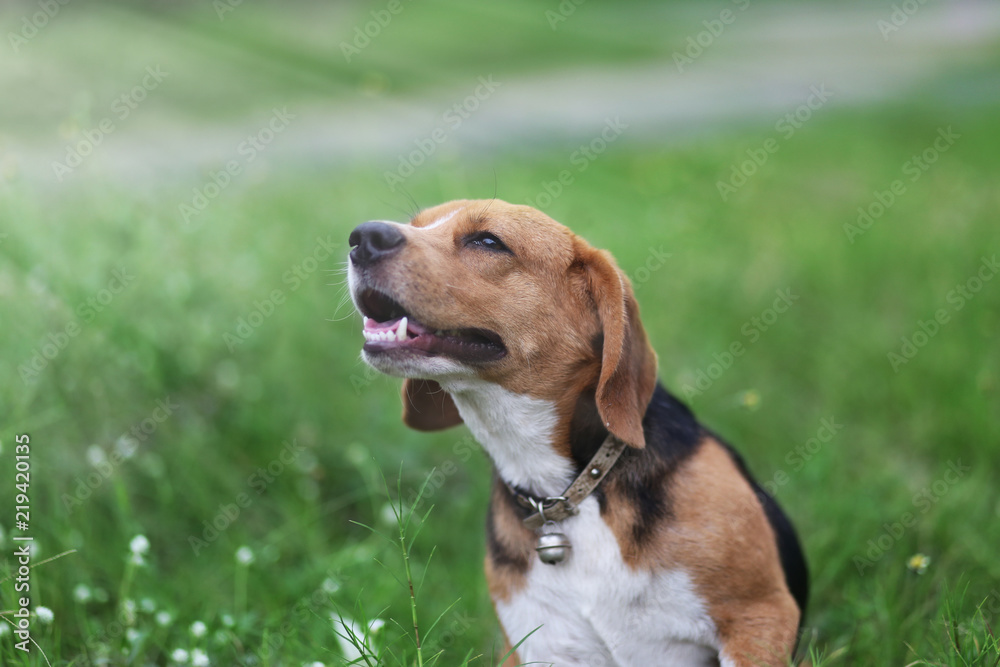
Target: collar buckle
{"x":555,"y":505}
{"x":557,"y":508}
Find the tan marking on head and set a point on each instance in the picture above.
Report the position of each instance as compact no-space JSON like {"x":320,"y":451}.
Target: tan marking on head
{"x":565,"y":312}
{"x":718,"y":533}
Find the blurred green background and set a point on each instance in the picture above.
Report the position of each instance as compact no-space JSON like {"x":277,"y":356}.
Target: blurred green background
{"x":177,"y":183}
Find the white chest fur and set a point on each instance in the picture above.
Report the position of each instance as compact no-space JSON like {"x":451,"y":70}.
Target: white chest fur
{"x":594,"y":610}
{"x":516,"y":431}
{"x":591,"y":610}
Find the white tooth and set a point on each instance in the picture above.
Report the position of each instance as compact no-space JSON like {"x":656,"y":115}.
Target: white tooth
{"x":401,"y":331}
{"x":365,"y":320}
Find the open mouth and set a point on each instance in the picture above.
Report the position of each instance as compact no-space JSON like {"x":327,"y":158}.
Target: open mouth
{"x":389,"y":328}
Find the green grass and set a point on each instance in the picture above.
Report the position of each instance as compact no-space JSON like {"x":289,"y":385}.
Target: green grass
{"x":295,"y":384}
{"x":297,"y":377}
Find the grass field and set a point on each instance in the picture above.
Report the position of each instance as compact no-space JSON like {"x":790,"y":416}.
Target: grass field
{"x":199,"y":384}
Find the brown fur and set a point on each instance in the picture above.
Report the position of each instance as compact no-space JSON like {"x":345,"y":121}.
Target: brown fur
{"x":427,"y":407}
{"x":556,"y":278}
{"x":570,"y":322}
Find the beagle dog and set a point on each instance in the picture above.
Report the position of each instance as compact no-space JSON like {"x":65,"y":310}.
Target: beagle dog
{"x":620,"y":531}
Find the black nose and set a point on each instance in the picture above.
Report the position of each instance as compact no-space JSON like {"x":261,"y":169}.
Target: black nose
{"x":373,"y":241}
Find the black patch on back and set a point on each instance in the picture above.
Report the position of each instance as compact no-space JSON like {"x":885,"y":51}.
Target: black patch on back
{"x":672,"y":434}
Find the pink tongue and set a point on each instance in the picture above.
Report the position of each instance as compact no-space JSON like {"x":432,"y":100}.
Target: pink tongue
{"x":372,"y":325}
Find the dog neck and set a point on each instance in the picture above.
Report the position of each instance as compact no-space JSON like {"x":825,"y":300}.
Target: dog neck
{"x":518,"y":432}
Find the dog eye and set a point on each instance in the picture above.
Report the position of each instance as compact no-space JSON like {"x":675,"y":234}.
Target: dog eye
{"x":488,"y":241}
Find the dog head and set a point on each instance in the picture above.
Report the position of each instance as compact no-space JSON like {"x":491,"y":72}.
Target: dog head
{"x":486,"y":291}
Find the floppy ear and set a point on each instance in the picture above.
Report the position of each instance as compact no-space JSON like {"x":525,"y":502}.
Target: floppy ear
{"x":428,"y":407}
{"x":628,"y":362}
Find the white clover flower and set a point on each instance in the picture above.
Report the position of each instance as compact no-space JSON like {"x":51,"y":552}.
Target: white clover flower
{"x":179,"y":655}
{"x":198,"y":629}
{"x":44,"y":615}
{"x":126,"y":446}
{"x":199,"y":658}
{"x":163,"y":618}
{"x":82,"y":593}
{"x":128,"y":611}
{"x":244,"y":555}
{"x":4,"y":629}
{"x":388,"y":514}
{"x":96,"y":455}
{"x":228,"y":620}
{"x":148,"y":605}
{"x":345,"y":628}
{"x":139,"y":545}
{"x":132,"y":635}
{"x":330,"y":585}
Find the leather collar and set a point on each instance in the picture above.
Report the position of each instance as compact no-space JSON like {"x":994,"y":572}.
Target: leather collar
{"x":557,"y":508}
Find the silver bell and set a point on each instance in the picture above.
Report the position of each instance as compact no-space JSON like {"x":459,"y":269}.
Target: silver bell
{"x":553,"y":548}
